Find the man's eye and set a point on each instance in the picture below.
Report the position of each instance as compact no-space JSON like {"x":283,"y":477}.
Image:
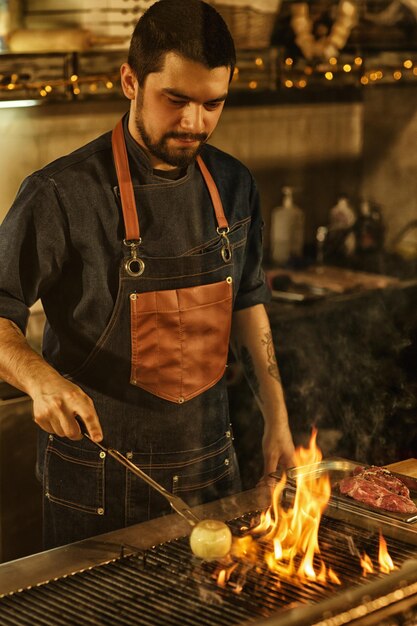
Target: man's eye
{"x":177,"y":102}
{"x":212,"y":106}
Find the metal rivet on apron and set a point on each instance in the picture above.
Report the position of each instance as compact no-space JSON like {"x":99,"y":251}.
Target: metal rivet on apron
{"x":51,"y":437}
{"x":129,"y":455}
{"x":46,"y":494}
{"x":133,"y":296}
{"x":226,"y":462}
{"x":181,"y":400}
{"x":229,"y":280}
{"x":100,"y":511}
{"x":228,"y":433}
{"x":102,"y":455}
{"x":175,"y":479}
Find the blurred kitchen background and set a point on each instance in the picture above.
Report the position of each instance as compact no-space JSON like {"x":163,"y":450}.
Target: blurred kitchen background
{"x":323,"y":110}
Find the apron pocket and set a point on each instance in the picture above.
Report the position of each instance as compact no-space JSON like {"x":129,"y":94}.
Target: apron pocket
{"x":197,"y":476}
{"x":180,"y":339}
{"x":74,"y":476}
{"x":203,"y":482}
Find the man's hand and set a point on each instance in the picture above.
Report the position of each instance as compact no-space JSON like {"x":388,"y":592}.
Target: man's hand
{"x":56,"y":403}
{"x":56,"y":400}
{"x":278,"y":448}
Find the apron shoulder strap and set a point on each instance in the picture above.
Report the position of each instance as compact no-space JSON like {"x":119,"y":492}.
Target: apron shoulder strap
{"x":127,"y":195}
{"x":214,"y":194}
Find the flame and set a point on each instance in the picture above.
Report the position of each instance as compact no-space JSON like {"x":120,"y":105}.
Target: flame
{"x":286,"y":540}
{"x":333,"y":577}
{"x":366,"y":563}
{"x":385,"y":561}
{"x":294,"y":532}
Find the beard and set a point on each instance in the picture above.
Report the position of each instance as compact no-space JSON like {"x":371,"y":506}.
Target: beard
{"x":177,"y":157}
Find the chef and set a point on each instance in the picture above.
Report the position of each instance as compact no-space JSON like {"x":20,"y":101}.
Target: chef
{"x":144,"y":247}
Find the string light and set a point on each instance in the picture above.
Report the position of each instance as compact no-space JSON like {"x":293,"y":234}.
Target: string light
{"x":299,"y":73}
{"x":74,"y":82}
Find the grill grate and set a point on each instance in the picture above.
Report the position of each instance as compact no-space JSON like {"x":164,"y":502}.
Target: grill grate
{"x":167,"y":586}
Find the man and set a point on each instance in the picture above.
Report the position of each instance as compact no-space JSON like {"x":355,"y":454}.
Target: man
{"x":144,"y":246}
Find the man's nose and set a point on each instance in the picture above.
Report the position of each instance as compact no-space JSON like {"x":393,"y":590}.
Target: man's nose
{"x":192,"y":119}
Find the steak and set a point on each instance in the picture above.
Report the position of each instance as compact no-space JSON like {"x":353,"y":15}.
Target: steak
{"x":382,"y":476}
{"x":379,"y":488}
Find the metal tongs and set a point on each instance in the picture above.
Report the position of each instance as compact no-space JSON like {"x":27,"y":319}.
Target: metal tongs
{"x":177,"y":504}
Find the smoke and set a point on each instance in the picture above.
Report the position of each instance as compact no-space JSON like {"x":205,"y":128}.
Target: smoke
{"x":348,"y":367}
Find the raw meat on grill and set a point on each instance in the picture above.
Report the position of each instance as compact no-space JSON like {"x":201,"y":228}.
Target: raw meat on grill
{"x":378,"y":490}
{"x":385,"y":478}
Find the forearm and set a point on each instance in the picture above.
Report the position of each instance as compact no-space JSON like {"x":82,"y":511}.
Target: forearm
{"x":253,"y":345}
{"x":56,"y":400}
{"x":20,"y":365}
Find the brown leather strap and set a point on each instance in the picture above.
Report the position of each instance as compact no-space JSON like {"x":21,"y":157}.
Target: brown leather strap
{"x":127,"y":195}
{"x":214,"y":194}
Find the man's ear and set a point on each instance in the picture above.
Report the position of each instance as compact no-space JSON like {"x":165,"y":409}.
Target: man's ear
{"x":128,"y":81}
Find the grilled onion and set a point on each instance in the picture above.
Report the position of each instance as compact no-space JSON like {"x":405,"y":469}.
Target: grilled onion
{"x":210,"y":540}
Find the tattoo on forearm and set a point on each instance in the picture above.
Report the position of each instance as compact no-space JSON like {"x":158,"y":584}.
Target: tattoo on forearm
{"x":249,"y":369}
{"x":272,"y":361}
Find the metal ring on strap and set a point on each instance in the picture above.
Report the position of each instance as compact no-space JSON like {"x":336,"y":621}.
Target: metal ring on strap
{"x":134,"y":266}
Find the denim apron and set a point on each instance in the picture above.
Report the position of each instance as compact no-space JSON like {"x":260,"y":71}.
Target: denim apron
{"x":156,"y":377}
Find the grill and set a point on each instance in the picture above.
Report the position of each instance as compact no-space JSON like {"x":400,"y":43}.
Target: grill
{"x":165,"y":585}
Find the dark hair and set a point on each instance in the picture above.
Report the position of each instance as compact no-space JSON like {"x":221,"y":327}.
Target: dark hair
{"x":191,"y":28}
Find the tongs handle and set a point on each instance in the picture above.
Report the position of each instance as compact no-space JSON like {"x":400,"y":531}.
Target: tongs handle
{"x":177,"y":504}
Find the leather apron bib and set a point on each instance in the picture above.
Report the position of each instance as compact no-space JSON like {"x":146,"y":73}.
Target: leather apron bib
{"x":156,"y":377}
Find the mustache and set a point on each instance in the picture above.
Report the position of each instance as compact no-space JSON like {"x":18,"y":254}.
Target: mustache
{"x":187,"y":136}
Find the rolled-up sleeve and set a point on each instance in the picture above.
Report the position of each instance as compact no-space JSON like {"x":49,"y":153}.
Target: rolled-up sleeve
{"x":253,"y":287}
{"x":32,"y":248}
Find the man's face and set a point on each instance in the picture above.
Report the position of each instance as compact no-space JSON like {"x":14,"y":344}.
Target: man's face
{"x":177,"y":110}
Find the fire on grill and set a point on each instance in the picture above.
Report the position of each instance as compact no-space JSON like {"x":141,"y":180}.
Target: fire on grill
{"x":286,"y":540}
{"x":295,"y":560}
